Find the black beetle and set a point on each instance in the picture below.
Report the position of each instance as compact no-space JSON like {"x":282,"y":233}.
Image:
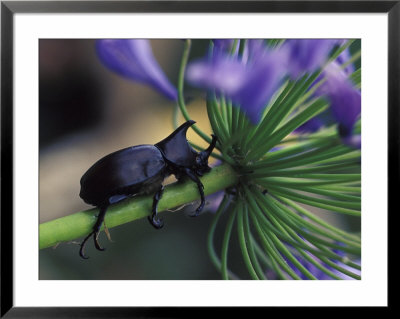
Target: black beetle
{"x":141,"y":170}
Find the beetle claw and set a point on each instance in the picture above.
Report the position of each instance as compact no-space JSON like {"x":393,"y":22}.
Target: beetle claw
{"x":96,"y":242}
{"x":197,"y":212}
{"x":82,"y":254}
{"x":156,"y":222}
{"x":81,"y":251}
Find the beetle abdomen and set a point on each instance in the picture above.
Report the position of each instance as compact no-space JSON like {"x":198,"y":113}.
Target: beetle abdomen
{"x":121,"y":173}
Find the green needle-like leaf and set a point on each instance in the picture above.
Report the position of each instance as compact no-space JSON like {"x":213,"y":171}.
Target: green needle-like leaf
{"x":225,"y":244}
{"x":244,"y":244}
{"x":210,"y":238}
{"x":314,"y":109}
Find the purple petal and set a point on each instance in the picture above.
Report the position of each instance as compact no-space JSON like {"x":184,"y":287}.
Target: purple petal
{"x":222,"y":73}
{"x":254,"y":50}
{"x":134,"y":59}
{"x":251,"y":84}
{"x":311,"y":126}
{"x":353,"y":270}
{"x":307,"y":55}
{"x":353,"y":141}
{"x":319,"y":274}
{"x":345,"y":99}
{"x":343,"y":58}
{"x":224,"y":44}
{"x":263,"y":78}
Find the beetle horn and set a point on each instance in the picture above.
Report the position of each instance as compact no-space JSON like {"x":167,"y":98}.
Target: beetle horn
{"x":176,"y":148}
{"x":207,"y":152}
{"x":176,"y":137}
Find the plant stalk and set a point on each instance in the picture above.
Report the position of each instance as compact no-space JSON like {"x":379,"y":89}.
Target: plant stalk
{"x":77,"y":225}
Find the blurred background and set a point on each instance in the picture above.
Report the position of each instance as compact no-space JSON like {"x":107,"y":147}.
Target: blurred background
{"x":87,"y":112}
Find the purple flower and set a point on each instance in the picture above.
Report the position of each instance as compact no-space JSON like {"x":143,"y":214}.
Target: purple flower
{"x":345,"y":99}
{"x":224,"y":44}
{"x":352,"y":141}
{"x":345,"y":105}
{"x":314,"y":270}
{"x":307,"y":55}
{"x":318,"y":273}
{"x":255,"y":49}
{"x":134,"y":60}
{"x":250,"y":85}
{"x":343,"y":58}
{"x":345,"y":102}
{"x":221,"y":72}
{"x":311,"y":126}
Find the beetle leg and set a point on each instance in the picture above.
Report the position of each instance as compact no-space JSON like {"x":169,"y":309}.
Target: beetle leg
{"x":95,"y":232}
{"x":200,"y":186}
{"x":81,"y":252}
{"x":156,"y":222}
{"x":97,"y":226}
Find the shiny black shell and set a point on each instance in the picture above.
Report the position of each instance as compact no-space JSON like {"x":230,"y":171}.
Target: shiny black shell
{"x":125,"y":172}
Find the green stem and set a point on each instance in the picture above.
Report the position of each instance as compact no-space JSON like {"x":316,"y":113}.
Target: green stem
{"x":313,"y":141}
{"x":287,"y":252}
{"x":252,"y":243}
{"x":340,"y":50}
{"x":244,"y":243}
{"x":299,"y":223}
{"x":225,"y":244}
{"x":210,"y":238}
{"x":271,"y":251}
{"x":336,"y":195}
{"x":289,"y":181}
{"x":234,"y":46}
{"x":354,"y":58}
{"x":175,"y":112}
{"x":266,"y":235}
{"x":77,"y":225}
{"x":325,"y":154}
{"x":261,"y":255}
{"x":224,"y":113}
{"x":326,"y":204}
{"x":214,"y":113}
{"x":269,"y":228}
{"x":268,"y":172}
{"x":339,"y":268}
{"x":312,"y":235}
{"x":181,"y":99}
{"x":328,"y":230}
{"x":355,"y":77}
{"x":314,"y":109}
{"x":306,"y":256}
{"x":343,"y":188}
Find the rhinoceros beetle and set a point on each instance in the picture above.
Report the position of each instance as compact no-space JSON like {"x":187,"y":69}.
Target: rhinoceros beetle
{"x":141,"y":170}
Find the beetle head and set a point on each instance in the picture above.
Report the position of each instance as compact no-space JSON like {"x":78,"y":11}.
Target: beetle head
{"x":202,"y":158}
{"x":178,"y":152}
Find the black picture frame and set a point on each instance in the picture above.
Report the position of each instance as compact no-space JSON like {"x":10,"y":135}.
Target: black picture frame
{"x":9,"y":8}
